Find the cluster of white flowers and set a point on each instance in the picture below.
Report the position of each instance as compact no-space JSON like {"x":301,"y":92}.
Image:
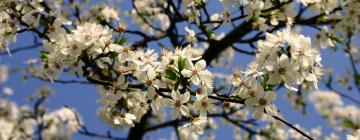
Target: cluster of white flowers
{"x":66,"y":48}
{"x":286,"y":58}
{"x":10,"y":117}
{"x":99,"y":13}
{"x":192,"y":11}
{"x":174,"y":72}
{"x":18,"y":123}
{"x":179,"y":78}
{"x":7,"y":31}
{"x":331,"y":107}
{"x":155,"y":17}
{"x":355,"y":136}
{"x":61,"y":123}
{"x":4,"y":75}
{"x":109,"y":13}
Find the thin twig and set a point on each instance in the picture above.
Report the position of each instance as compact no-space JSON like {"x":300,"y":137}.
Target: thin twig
{"x":293,"y":127}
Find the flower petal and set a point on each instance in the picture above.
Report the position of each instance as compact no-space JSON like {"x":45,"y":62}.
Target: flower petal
{"x":130,"y":116}
{"x":185,"y":97}
{"x":184,"y":110}
{"x":186,"y":73}
{"x":200,"y":65}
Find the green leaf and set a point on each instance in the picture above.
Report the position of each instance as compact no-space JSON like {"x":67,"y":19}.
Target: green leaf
{"x":171,"y":73}
{"x":114,"y":55}
{"x":44,"y":55}
{"x":211,"y":33}
{"x":120,"y":41}
{"x":181,"y":64}
{"x":265,"y":79}
{"x":347,"y":123}
{"x":357,"y":79}
{"x":123,"y":40}
{"x":178,"y":81}
{"x":270,"y":87}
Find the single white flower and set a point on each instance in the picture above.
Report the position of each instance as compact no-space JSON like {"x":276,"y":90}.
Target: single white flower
{"x":204,"y":105}
{"x":194,"y":15}
{"x":190,"y":35}
{"x":260,"y":102}
{"x":141,"y":106}
{"x":178,"y":102}
{"x":197,"y":73}
{"x":124,"y":119}
{"x":197,"y":125}
{"x":109,"y":13}
{"x":283,"y":71}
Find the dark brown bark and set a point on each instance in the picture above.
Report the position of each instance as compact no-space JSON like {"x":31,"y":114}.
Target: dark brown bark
{"x":138,"y":131}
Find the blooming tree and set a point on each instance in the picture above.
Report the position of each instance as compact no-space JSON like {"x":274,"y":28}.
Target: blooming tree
{"x":155,"y":64}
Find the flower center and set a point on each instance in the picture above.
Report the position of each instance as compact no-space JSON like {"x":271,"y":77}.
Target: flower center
{"x":200,"y":91}
{"x":282,"y":71}
{"x":251,"y":93}
{"x":262,"y":101}
{"x":122,"y":115}
{"x":177,"y":103}
{"x":142,"y":104}
{"x":149,"y":82}
{"x":204,"y":104}
{"x":195,"y":72}
{"x":156,"y":96}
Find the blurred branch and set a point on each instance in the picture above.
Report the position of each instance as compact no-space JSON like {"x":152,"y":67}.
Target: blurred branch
{"x":84,"y":131}
{"x":249,"y":130}
{"x":328,"y":84}
{"x":356,"y":75}
{"x":20,"y":49}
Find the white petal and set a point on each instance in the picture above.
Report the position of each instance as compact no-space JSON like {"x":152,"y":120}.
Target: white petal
{"x":292,"y":89}
{"x":174,"y":95}
{"x":185,"y":97}
{"x":129,"y":122}
{"x":201,"y":64}
{"x":184,"y":110}
{"x":203,"y":113}
{"x":98,"y":50}
{"x":250,"y":102}
{"x":195,"y":80}
{"x":311,"y":77}
{"x":196,"y":106}
{"x":116,"y":121}
{"x":258,"y":113}
{"x":186,"y":73}
{"x":270,"y":95}
{"x":130,"y":116}
{"x":270,"y":67}
{"x":205,"y":75}
{"x":151,"y":73}
{"x":169,"y":102}
{"x":284,"y":60}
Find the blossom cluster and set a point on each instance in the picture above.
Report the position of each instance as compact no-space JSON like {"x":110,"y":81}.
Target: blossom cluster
{"x":332,"y":108}
{"x":7,"y":31}
{"x":179,"y":78}
{"x":284,"y":58}
{"x":25,"y":123}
